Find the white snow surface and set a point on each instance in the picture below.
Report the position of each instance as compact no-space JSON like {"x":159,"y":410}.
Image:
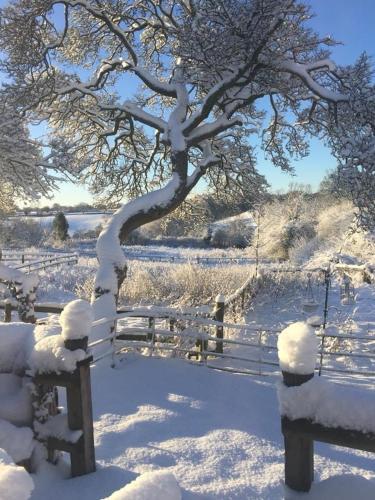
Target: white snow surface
{"x":50,"y":355}
{"x":57,"y":426}
{"x":218,"y":433}
{"x":18,"y":442}
{"x":76,"y":319}
{"x":158,"y":485}
{"x":298,"y":348}
{"x":16,"y":342}
{"x":47,"y":329}
{"x":329,"y":404}
{"x":15,"y":482}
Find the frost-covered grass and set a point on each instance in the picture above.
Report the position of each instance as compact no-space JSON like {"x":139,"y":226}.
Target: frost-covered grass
{"x":174,"y":284}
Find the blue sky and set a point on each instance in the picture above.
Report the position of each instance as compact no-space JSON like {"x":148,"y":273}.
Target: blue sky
{"x":349,"y":21}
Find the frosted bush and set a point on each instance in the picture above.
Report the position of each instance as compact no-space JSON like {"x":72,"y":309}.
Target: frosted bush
{"x":298,"y":348}
{"x":180,"y":284}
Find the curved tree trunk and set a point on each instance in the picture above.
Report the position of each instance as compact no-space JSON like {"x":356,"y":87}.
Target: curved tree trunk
{"x":147,"y":208}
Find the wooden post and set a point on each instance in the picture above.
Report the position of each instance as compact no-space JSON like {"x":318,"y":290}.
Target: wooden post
{"x":299,"y":462}
{"x":78,"y":396}
{"x":219,"y":316}
{"x":1,"y":255}
{"x":299,"y":449}
{"x":8,"y":311}
{"x":151,"y":326}
{"x":23,"y":258}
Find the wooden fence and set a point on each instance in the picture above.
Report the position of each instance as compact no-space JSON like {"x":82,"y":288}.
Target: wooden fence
{"x":31,"y":262}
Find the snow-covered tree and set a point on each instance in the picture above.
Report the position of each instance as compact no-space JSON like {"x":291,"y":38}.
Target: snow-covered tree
{"x":60,"y":227}
{"x":353,"y":142}
{"x":26,"y":173}
{"x":206,"y":69}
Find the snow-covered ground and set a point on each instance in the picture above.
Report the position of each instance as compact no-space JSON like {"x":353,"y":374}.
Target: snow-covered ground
{"x":218,"y":433}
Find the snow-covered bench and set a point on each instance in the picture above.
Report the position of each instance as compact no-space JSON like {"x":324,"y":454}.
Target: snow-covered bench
{"x":315,"y":409}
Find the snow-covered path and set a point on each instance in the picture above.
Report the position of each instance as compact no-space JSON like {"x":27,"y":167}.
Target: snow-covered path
{"x":219,"y":434}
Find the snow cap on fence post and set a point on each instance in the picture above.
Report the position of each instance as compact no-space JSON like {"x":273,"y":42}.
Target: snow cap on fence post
{"x":76,"y":321}
{"x":297,"y":349}
{"x":220,"y":299}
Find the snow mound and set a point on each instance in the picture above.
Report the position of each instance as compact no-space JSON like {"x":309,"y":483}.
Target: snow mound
{"x":329,"y":404}
{"x":50,"y":355}
{"x":15,"y":400}
{"x":76,"y":319}
{"x":16,"y":342}
{"x":298,"y":348}
{"x":158,"y":485}
{"x":18,"y":442}
{"x":15,"y":482}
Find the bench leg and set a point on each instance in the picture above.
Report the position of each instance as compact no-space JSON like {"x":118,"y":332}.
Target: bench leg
{"x":299,"y":462}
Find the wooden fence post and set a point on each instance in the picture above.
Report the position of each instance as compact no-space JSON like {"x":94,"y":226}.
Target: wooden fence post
{"x":79,"y":403}
{"x":151,"y":326}
{"x":299,"y":449}
{"x":219,"y":316}
{"x":7,"y":311}
{"x":79,"y":410}
{"x":23,"y":259}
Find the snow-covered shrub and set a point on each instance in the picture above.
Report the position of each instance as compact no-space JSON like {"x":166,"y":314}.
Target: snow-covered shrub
{"x":297,"y":347}
{"x":15,"y":482}
{"x":294,"y":231}
{"x":16,"y":342}
{"x":136,"y":237}
{"x":18,"y":442}
{"x":21,"y":232}
{"x":227,"y":238}
{"x":231,"y":232}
